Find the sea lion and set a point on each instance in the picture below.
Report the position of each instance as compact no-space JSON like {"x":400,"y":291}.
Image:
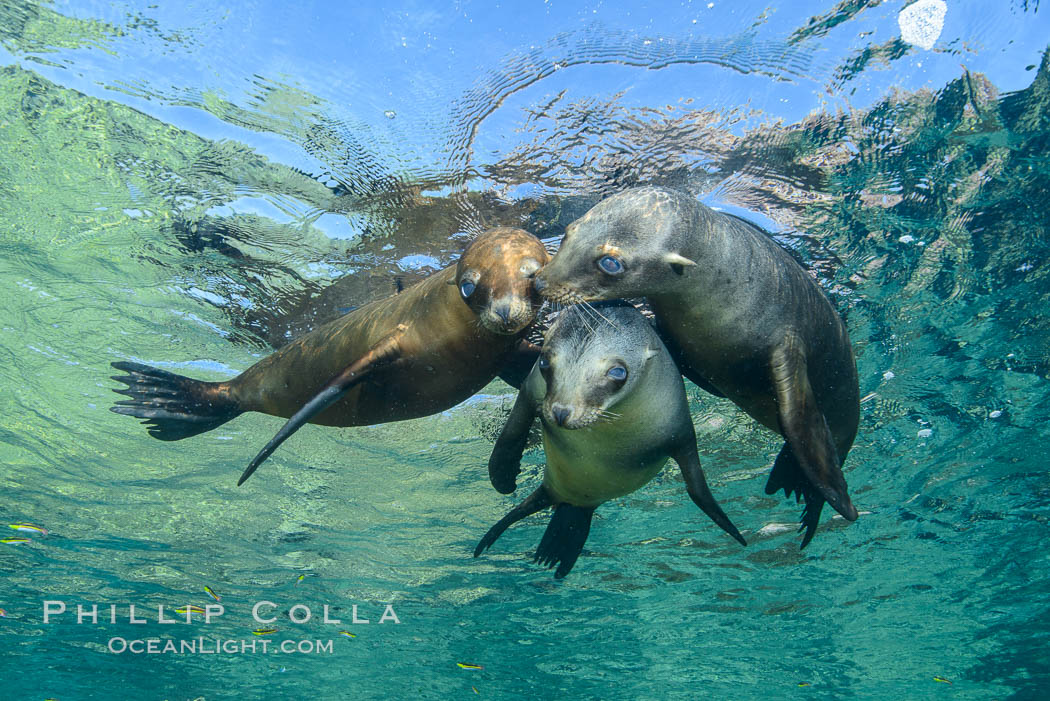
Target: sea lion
{"x":410,"y":355}
{"x":741,"y":318}
{"x":613,"y":409}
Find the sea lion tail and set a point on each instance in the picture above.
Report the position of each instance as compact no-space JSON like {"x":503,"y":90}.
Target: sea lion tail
{"x":563,"y":540}
{"x":174,"y":407}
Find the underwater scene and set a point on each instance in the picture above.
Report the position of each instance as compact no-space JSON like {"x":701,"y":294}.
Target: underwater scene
{"x":186,"y":189}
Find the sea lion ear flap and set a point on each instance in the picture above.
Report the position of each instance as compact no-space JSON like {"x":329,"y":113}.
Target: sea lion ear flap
{"x":678,"y":262}
{"x":650,"y":352}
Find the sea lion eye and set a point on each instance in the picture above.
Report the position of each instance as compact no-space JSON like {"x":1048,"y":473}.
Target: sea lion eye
{"x":544,"y":362}
{"x":466,"y":288}
{"x":617,"y":373}
{"x":610,"y":265}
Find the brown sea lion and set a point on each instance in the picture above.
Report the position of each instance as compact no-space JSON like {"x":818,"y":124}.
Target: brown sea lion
{"x":413,"y":354}
{"x":613,"y":409}
{"x":741,"y":318}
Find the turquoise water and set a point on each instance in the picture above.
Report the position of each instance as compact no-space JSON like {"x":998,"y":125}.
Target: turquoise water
{"x":189,"y":188}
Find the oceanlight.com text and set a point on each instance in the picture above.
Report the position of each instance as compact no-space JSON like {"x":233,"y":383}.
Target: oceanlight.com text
{"x":217,"y":646}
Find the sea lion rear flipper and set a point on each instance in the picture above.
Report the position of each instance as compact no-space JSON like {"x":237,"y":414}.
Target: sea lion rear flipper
{"x":787,"y":475}
{"x":505,"y":461}
{"x":174,"y":407}
{"x":563,"y":540}
{"x":696,"y":484}
{"x":804,"y":427}
{"x":385,"y":351}
{"x":519,"y":363}
{"x":537,"y":501}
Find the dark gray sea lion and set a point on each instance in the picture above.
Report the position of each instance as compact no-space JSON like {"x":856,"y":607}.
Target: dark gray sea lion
{"x":410,"y":355}
{"x":741,"y":318}
{"x":613,"y":409}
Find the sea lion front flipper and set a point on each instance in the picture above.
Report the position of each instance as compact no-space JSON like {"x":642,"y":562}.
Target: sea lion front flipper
{"x":696,"y":484}
{"x":505,"y":461}
{"x":537,"y":501}
{"x":385,"y":351}
{"x":787,"y":475}
{"x":563,"y":540}
{"x":804,"y":427}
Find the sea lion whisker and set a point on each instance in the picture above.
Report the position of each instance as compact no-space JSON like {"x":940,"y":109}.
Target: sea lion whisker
{"x":585,"y":317}
{"x":587,"y":314}
{"x":588,"y":305}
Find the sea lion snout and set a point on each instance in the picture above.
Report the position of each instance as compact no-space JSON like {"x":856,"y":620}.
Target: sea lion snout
{"x":560,"y":414}
{"x":507,"y":314}
{"x":572,"y":416}
{"x":556,"y":292}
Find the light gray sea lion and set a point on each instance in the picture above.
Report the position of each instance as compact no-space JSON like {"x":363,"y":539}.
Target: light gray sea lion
{"x":741,"y":318}
{"x":413,"y":354}
{"x":613,"y":409}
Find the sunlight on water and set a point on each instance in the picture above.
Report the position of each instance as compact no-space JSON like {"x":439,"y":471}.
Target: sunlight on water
{"x":193,"y":188}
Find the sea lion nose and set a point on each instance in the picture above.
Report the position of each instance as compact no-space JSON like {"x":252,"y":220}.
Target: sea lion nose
{"x":560,"y":414}
{"x":503,"y":312}
{"x":539,"y":284}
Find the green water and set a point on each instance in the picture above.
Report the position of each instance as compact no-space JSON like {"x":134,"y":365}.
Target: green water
{"x":923,"y":213}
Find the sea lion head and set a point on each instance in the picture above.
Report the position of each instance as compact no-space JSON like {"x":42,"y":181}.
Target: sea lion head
{"x":494,"y":277}
{"x":626,"y":246}
{"x":593,"y":358}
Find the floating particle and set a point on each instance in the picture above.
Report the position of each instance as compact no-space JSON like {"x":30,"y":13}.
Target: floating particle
{"x":774,"y":528}
{"x":925,"y":433}
{"x":995,"y":414}
{"x":921,"y":22}
{"x":390,"y":114}
{"x":888,"y":375}
{"x":907,"y":238}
